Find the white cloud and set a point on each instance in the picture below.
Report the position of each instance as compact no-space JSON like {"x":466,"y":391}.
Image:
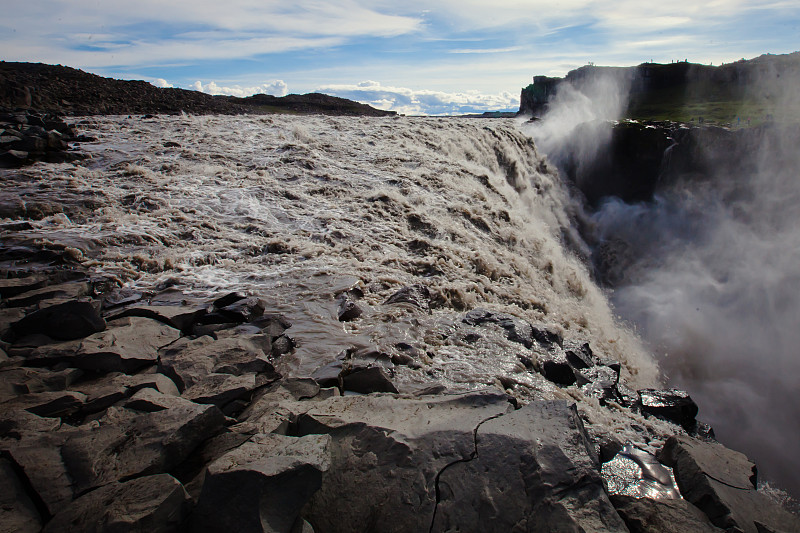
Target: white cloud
{"x":275,"y":88}
{"x":162,"y":83}
{"x":422,"y":101}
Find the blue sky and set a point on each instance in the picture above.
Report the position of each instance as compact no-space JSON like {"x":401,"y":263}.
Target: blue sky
{"x":415,"y":57}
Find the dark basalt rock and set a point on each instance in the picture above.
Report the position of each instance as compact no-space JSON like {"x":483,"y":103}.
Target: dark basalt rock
{"x":661,"y":516}
{"x":417,"y":295}
{"x":18,"y":512}
{"x":367,"y":380}
{"x":65,"y":321}
{"x":156,"y":504}
{"x":126,"y":346}
{"x":517,"y":330}
{"x":722,"y":483}
{"x":532,"y":469}
{"x":673,"y":405}
{"x":347,"y":309}
{"x":262,"y":485}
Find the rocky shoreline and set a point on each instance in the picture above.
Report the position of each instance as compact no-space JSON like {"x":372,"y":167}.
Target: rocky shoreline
{"x":158,"y":411}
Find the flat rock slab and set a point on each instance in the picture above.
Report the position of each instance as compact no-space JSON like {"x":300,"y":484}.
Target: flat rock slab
{"x":61,"y":291}
{"x":721,"y":483}
{"x":532,"y":470}
{"x":190,"y":361}
{"x":181,"y":317}
{"x":262,"y":485}
{"x":221,"y":389}
{"x":126,"y":346}
{"x":386,"y":454}
{"x":155,"y":504}
{"x":661,"y":516}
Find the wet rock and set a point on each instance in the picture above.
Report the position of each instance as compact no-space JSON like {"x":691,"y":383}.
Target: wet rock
{"x":417,"y":295}
{"x":673,"y":405}
{"x":533,"y":470}
{"x":516,"y":330}
{"x":156,"y":504}
{"x":65,"y":321}
{"x":18,"y":512}
{"x":347,"y":309}
{"x":189,"y":361}
{"x":21,"y":380}
{"x":634,"y":472}
{"x":328,"y":375}
{"x":126,"y":346}
{"x":263,"y":484}
{"x":368,"y":380}
{"x":721,"y":483}
{"x":375,"y":438}
{"x":661,"y":516}
{"x":579,"y":355}
{"x":244,"y":310}
{"x":556,"y":368}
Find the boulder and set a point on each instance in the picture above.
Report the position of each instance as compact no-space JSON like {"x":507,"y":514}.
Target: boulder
{"x":180,"y":317}
{"x":416,"y":295}
{"x":368,"y":380}
{"x":221,"y":389}
{"x":673,"y":405}
{"x":721,"y":483}
{"x":66,"y":321}
{"x":391,"y":449}
{"x":347,"y":309}
{"x":125,"y":443}
{"x":661,"y":516}
{"x":110,"y":389}
{"x":262,"y":485}
{"x":126,"y":346}
{"x":634,"y":472}
{"x":156,"y":504}
{"x":190,"y":361}
{"x":531,"y":470}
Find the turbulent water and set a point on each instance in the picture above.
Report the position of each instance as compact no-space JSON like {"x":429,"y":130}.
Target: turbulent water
{"x":300,"y":209}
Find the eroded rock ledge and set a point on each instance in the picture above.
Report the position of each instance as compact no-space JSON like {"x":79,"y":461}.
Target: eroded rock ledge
{"x":161,"y":412}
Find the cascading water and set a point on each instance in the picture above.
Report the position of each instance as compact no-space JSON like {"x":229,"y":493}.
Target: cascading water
{"x":706,"y":270}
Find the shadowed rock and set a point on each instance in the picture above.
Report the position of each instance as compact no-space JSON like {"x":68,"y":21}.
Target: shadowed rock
{"x":65,"y":321}
{"x":156,"y":504}
{"x":18,"y":513}
{"x":262,"y":485}
{"x":661,"y":516}
{"x":721,"y":483}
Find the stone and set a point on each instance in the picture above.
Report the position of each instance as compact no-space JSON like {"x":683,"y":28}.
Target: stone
{"x":22,"y":380}
{"x":673,"y":405}
{"x":516,"y":330}
{"x":10,"y":287}
{"x":417,"y":295}
{"x":392,"y":449}
{"x":18,"y":513}
{"x":51,"y":404}
{"x":661,"y":516}
{"x":61,"y":291}
{"x":531,"y":470}
{"x":721,"y":483}
{"x":156,"y":504}
{"x":189,"y":361}
{"x":126,"y":346}
{"x":104,"y":392}
{"x":124,"y":444}
{"x":556,"y":368}
{"x":179,"y":317}
{"x":347,"y":309}
{"x":66,"y":321}
{"x":262,"y":485}
{"x":221,"y":389}
{"x":368,"y":380}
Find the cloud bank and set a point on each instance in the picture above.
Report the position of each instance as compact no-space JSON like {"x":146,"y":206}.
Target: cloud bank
{"x":422,"y":101}
{"x":275,"y":88}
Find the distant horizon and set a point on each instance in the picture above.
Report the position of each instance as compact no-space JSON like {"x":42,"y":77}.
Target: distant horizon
{"x":451,"y":58}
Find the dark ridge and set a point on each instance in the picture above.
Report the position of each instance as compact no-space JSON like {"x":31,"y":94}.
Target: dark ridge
{"x":682,"y":91}
{"x":42,"y":88}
